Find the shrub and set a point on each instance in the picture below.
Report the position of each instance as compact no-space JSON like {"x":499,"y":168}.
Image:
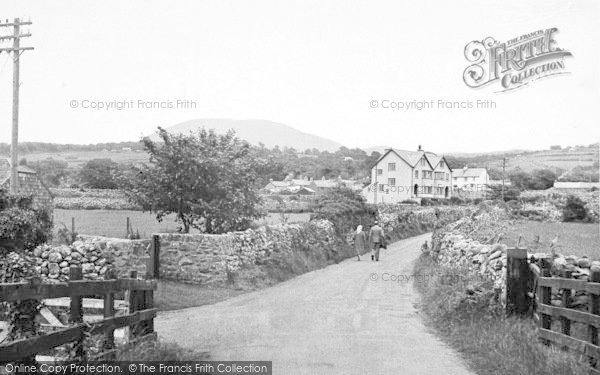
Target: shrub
{"x":23,"y":226}
{"x":574,"y":210}
{"x":345,"y":208}
{"x":409,"y":201}
{"x":457,"y":200}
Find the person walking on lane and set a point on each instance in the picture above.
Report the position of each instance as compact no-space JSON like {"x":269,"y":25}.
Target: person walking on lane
{"x":360,"y":241}
{"x":376,"y":238}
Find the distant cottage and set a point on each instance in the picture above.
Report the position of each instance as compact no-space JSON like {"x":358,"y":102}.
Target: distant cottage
{"x":305,"y":186}
{"x":471,"y":179}
{"x":29,"y":184}
{"x":401,"y":175}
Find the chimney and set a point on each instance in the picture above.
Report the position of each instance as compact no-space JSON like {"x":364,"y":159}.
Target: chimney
{"x":420,"y":149}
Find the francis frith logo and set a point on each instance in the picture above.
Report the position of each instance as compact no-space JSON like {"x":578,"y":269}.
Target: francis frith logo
{"x":515,"y":63}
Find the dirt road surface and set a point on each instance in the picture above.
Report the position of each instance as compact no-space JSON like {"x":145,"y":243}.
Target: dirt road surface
{"x":348,"y":318}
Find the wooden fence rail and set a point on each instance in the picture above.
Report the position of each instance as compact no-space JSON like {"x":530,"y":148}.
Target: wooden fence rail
{"x":538,"y":284}
{"x":140,"y":317}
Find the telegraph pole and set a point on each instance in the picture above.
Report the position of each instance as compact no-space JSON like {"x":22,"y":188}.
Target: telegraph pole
{"x":503,"y":178}
{"x":16,"y":51}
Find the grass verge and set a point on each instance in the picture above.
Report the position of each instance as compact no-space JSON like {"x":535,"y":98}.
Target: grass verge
{"x":156,"y":350}
{"x":173,"y":295}
{"x":462,"y":310}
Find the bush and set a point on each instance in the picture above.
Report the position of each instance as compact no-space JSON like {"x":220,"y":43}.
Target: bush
{"x":23,"y":226}
{"x":457,"y":200}
{"x":409,"y":201}
{"x":574,"y":210}
{"x":345,"y":208}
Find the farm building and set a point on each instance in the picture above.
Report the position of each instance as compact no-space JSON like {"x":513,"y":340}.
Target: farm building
{"x":309,"y":186}
{"x":565,"y":185}
{"x":29,"y":184}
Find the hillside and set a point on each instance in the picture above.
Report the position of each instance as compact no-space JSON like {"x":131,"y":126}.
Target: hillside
{"x":269,"y":133}
{"x":568,"y":162}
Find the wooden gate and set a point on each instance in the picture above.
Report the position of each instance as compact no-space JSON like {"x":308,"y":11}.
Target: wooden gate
{"x":139,"y":319}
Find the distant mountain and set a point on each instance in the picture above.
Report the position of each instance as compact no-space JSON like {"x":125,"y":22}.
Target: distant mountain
{"x":260,"y":131}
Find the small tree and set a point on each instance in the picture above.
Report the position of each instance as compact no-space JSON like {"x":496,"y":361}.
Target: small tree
{"x":99,"y":174}
{"x":51,"y":171}
{"x":207,"y":180}
{"x":574,"y":210}
{"x":345,"y":208}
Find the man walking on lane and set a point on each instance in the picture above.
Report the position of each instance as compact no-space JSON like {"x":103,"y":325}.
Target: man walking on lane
{"x":376,"y":238}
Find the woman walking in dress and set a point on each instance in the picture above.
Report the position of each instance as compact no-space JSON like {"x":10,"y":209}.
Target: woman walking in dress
{"x":360,"y":241}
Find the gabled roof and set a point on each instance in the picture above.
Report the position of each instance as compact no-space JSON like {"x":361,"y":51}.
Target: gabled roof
{"x":278,"y":183}
{"x":326,"y":183}
{"x":5,"y":170}
{"x":413,"y":157}
{"x":469,"y":172}
{"x":301,"y":182}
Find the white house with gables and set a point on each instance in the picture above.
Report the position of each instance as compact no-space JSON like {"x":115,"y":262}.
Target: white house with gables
{"x":471,"y":180}
{"x":401,"y":175}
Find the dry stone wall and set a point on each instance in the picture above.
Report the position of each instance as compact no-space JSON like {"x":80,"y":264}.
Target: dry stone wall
{"x":95,"y":255}
{"x":209,"y":258}
{"x":472,"y":243}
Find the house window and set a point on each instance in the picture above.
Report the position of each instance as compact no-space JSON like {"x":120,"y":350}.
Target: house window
{"x":416,"y":174}
{"x":447,"y":176}
{"x":380,"y":171}
{"x":442,"y":164}
{"x":391,"y":166}
{"x":423,"y":162}
{"x":392,"y":181}
{"x":381,"y":187}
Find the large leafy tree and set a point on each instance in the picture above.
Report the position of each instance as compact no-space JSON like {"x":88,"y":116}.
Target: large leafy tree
{"x":208,"y":180}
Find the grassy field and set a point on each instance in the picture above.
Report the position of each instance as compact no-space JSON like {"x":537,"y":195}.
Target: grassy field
{"x":573,"y":238}
{"x":112,"y":223}
{"x":75,"y":159}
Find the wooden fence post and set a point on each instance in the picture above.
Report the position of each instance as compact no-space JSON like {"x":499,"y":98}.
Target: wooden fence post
{"x":517,"y":279}
{"x":545,"y":296}
{"x":137,"y":300}
{"x":566,"y":300}
{"x":109,"y":311}
{"x":153,"y":265}
{"x":148,"y":304}
{"x":73,"y":236}
{"x":127,"y":224}
{"x":76,"y":273}
{"x":565,"y":323}
{"x":593,"y":308}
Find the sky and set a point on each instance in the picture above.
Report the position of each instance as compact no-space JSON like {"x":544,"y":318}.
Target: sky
{"x":317,"y":66}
